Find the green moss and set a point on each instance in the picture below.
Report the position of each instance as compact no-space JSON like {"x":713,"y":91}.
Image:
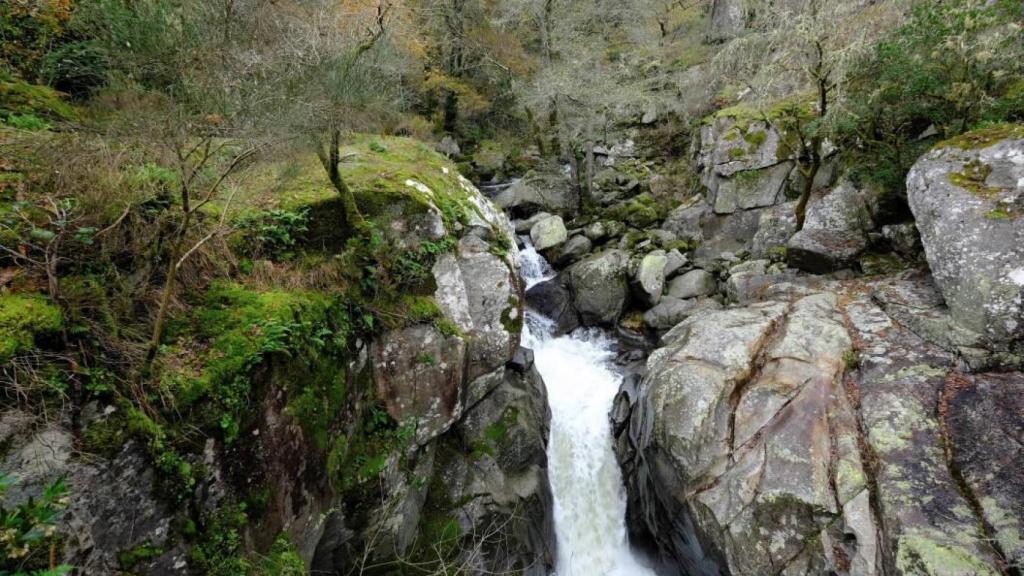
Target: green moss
{"x":922,"y":555}
{"x":973,"y":179}
{"x":641,"y":212}
{"x":756,"y":138}
{"x":132,"y":557}
{"x":984,"y":137}
{"x":23,"y":317}
{"x":1003,"y":213}
{"x":20,"y":98}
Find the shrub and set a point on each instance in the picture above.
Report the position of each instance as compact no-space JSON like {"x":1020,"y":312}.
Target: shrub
{"x":28,"y":532}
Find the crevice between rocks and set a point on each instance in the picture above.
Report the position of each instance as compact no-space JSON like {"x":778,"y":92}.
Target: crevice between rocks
{"x":955,"y":383}
{"x":776,"y":330}
{"x":868,"y":457}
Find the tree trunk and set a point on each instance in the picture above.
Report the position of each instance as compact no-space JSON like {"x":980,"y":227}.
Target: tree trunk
{"x":588,"y":201}
{"x":165,"y":298}
{"x":331,"y":160}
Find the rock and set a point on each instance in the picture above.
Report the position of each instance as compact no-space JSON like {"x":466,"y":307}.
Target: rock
{"x":693,"y":284}
{"x":599,"y":289}
{"x":671,"y":311}
{"x":685,"y":221}
{"x":449,"y":147}
{"x":727,"y":20}
{"x":596,"y":231}
{"x":503,"y":483}
{"x":675,"y":261}
{"x":478,"y":292}
{"x":419,"y":374}
{"x":553,"y":300}
{"x":903,"y":238}
{"x":650,"y":116}
{"x":968,"y":205}
{"x":574,"y":250}
{"x":760,"y":280}
{"x":548,"y":233}
{"x":651,"y":277}
{"x":835,"y":230}
{"x":538,"y":192}
{"x":927,"y":525}
{"x":984,"y":415}
{"x":774,"y":229}
{"x":524,"y":226}
{"x":747,"y":449}
{"x":824,"y":251}
{"x":752,"y":189}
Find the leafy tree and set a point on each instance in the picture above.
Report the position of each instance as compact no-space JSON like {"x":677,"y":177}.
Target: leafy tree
{"x":951,"y":65}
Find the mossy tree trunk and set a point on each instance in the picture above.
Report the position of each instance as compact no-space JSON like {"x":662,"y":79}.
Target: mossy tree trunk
{"x":330,"y":157}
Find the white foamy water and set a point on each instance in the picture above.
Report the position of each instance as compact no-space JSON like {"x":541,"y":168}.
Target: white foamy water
{"x":590,"y":501}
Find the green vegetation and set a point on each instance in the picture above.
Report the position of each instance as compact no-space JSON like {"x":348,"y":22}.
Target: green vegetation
{"x":23,"y":317}
{"x":28,"y":536}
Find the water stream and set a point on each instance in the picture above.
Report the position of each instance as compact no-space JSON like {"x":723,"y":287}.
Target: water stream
{"x":590,"y":501}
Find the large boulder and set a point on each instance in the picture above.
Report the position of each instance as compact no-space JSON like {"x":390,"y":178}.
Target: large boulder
{"x":693,"y":284}
{"x":814,"y":435}
{"x":599,"y":287}
{"x":548,"y":233}
{"x":835,"y":230}
{"x":650,"y":277}
{"x":968,"y":201}
{"x":553,"y":300}
{"x":536,"y":192}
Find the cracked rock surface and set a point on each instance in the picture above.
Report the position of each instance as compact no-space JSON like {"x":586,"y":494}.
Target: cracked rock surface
{"x":816,"y":434}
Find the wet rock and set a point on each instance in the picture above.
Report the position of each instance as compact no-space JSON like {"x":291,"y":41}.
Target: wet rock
{"x":693,"y":284}
{"x":969,"y":207}
{"x":599,"y":288}
{"x":553,"y":300}
{"x":984,"y":415}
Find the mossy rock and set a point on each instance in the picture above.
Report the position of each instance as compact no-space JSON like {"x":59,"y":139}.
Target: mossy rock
{"x":983,"y":138}
{"x":23,"y":318}
{"x":21,"y":98}
{"x":391,"y":178}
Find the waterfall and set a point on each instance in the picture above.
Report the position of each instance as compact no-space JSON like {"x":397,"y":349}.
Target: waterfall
{"x":590,"y":500}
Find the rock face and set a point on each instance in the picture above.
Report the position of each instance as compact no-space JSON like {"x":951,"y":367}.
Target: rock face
{"x":969,"y":207}
{"x":599,"y":287}
{"x":814,"y":435}
{"x":456,"y":472}
{"x":742,"y":165}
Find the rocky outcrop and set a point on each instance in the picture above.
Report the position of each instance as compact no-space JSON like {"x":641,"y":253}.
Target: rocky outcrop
{"x":968,"y":202}
{"x":813,"y":434}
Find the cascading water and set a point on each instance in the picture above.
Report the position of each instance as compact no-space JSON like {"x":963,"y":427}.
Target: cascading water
{"x":590,"y":501}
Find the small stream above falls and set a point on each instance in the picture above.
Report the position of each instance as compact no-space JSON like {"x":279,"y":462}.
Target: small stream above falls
{"x":589,"y":497}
